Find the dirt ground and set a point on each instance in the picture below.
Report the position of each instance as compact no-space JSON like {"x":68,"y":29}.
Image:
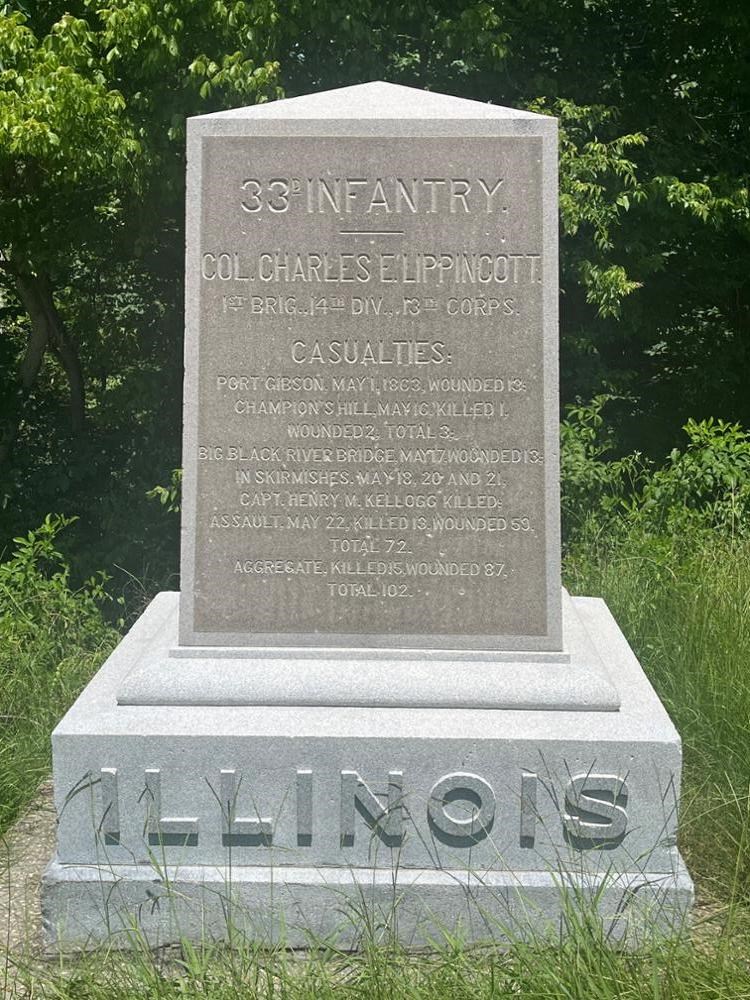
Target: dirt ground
{"x":25,"y":852}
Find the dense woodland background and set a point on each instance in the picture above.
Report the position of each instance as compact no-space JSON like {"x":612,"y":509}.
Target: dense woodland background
{"x":653,"y":98}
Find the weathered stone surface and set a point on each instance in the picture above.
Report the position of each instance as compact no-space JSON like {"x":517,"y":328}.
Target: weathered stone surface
{"x":370,"y":426}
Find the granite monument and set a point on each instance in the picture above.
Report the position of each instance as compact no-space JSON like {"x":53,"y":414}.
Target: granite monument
{"x":372,"y":689}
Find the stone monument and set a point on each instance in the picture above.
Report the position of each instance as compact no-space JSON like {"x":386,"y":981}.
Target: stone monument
{"x":372,"y":691}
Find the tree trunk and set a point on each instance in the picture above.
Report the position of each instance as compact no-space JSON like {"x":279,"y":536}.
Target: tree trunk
{"x":48,"y":332}
{"x":60,"y":342}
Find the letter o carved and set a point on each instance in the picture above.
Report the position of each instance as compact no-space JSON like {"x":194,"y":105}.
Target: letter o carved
{"x":476,"y":822}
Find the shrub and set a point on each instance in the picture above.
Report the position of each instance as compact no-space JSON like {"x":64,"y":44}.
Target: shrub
{"x":703,"y":487}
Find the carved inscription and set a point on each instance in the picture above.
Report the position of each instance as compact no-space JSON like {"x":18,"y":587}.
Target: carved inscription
{"x":237,"y":832}
{"x":386,"y":816}
{"x":474,"y":820}
{"x":370,"y":453}
{"x":165,"y":831}
{"x":459,"y":810}
{"x":528,"y":808}
{"x":109,"y":826}
{"x":595,"y":803}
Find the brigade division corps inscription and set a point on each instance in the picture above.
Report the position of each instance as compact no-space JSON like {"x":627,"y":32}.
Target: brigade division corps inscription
{"x":369,"y":451}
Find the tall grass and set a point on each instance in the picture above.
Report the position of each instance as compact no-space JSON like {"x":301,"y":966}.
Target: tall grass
{"x":580,"y":969}
{"x":669,"y":549}
{"x":52,"y":639}
{"x":684,"y":603}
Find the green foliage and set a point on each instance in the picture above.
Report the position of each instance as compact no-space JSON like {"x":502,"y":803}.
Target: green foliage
{"x":172,"y":57}
{"x":704,"y":487}
{"x":598,"y":183}
{"x":683,"y":601}
{"x":67,"y":149}
{"x":35,"y":583}
{"x":594,"y":484}
{"x":169,"y":496}
{"x":52,"y":638}
{"x":92,"y":112}
{"x":668,"y":547}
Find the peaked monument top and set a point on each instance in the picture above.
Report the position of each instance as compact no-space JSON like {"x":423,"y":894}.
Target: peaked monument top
{"x":374,"y":100}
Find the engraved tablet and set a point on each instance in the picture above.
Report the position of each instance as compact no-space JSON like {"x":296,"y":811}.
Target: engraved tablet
{"x":371,"y":450}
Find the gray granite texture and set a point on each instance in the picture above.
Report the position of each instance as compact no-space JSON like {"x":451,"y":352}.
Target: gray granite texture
{"x":309,"y":907}
{"x":576,"y":680}
{"x":370,"y":450}
{"x":336,"y":790}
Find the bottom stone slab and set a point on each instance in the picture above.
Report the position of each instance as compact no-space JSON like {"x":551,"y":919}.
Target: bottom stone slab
{"x":129,"y":905}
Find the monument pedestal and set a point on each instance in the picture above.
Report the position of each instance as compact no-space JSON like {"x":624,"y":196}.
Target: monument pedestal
{"x":292,"y":821}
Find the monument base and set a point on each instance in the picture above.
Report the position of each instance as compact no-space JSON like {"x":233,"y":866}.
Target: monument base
{"x":126,"y":905}
{"x":308,"y":821}
{"x":574,"y":679}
